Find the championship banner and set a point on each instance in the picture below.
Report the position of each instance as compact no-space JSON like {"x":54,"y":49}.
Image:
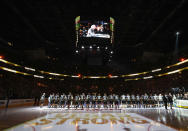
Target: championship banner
{"x":91,"y":122}
{"x":77,"y":22}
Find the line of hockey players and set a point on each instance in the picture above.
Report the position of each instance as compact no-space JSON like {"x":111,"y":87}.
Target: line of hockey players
{"x":97,"y":101}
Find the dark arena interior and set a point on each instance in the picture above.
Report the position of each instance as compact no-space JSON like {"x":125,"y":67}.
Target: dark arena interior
{"x":93,"y":65}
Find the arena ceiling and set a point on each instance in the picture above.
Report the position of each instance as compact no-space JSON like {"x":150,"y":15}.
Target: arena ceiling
{"x":149,"y":25}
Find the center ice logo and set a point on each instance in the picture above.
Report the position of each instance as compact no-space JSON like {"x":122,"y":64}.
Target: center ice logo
{"x":91,"y":122}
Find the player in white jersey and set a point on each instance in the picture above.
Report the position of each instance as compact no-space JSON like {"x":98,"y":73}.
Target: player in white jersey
{"x":50,"y":101}
{"x":65,"y":100}
{"x":72,"y":101}
{"x":174,"y":97}
{"x":88,"y":100}
{"x":42,"y":99}
{"x":128,"y":100}
{"x":110,"y":98}
{"x":116,"y":101}
{"x":56,"y":99}
{"x":160,"y":100}
{"x":77,"y":101}
{"x":156,"y":99}
{"x":94,"y":100}
{"x":68,"y":100}
{"x":123,"y":100}
{"x":61,"y":101}
{"x":104,"y":100}
{"x":138,"y":101}
{"x":82,"y":97}
{"x":145,"y":100}
{"x":99,"y":101}
{"x":151,"y":100}
{"x":133,"y":100}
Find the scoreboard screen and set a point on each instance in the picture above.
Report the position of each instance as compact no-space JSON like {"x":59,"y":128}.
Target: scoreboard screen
{"x":92,"y":30}
{"x":97,"y":28}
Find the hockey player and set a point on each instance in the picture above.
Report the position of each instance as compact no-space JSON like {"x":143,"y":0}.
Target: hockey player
{"x":99,"y":101}
{"x":123,"y":101}
{"x":94,"y":100}
{"x":110,"y":98}
{"x":42,"y":99}
{"x":88,"y":100}
{"x":156,"y":99}
{"x":133,"y":101}
{"x":105,"y":101}
{"x":160,"y":100}
{"x":138,"y":100}
{"x":116,"y":101}
{"x":56,"y":100}
{"x":61,"y":101}
{"x":50,"y":101}
{"x":128,"y":100}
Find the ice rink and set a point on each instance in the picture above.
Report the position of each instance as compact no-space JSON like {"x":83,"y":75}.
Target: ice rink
{"x":132,"y":119}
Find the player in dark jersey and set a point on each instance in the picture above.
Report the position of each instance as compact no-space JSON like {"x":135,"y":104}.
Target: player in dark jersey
{"x":105,"y":101}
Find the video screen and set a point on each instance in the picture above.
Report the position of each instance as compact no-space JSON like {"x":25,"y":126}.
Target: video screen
{"x":99,"y":29}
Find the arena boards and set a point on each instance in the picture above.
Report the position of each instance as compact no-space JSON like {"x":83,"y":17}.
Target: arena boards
{"x":91,"y":122}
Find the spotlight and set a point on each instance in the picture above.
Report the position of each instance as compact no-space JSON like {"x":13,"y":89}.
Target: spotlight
{"x":111,"y":52}
{"x":90,"y":47}
{"x":1,"y":57}
{"x":76,"y":51}
{"x":98,"y":47}
{"x":106,"y":48}
{"x":83,"y":47}
{"x":79,"y":75}
{"x":177,"y":33}
{"x":182,"y":59}
{"x":109,"y":75}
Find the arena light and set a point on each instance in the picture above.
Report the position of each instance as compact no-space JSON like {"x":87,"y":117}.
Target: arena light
{"x":4,"y":61}
{"x":1,"y":57}
{"x":98,"y":47}
{"x":177,"y":33}
{"x":90,"y":47}
{"x":114,"y":76}
{"x":94,"y":77}
{"x":110,"y":75}
{"x":13,"y":71}
{"x":111,"y":52}
{"x":82,"y":47}
{"x":182,"y":59}
{"x":148,"y":77}
{"x":106,"y":48}
{"x":156,"y":70}
{"x":136,"y":74}
{"x":38,"y":76}
{"x":75,"y":76}
{"x":132,"y":79}
{"x":9,"y":70}
{"x":76,"y":51}
{"x":79,"y":75}
{"x":55,"y":74}
{"x":179,"y":63}
{"x":172,"y":72}
{"x":7,"y":62}
{"x":26,"y":74}
{"x":31,"y":69}
{"x":64,"y":75}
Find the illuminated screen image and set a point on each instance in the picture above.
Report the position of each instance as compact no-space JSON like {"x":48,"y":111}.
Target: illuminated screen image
{"x":99,"y":29}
